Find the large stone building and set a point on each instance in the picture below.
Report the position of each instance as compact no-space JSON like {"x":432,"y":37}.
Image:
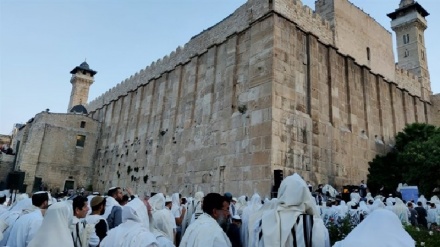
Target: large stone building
{"x":274,"y":86}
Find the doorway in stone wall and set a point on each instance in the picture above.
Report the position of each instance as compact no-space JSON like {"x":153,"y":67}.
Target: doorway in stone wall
{"x":69,"y":185}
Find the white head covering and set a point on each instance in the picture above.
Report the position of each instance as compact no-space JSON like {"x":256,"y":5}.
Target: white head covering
{"x":175,"y":208}
{"x":377,"y":204}
{"x":253,"y":206}
{"x":134,"y":231}
{"x":161,"y":217}
{"x":380,"y":228}
{"x":55,"y":227}
{"x":294,"y":199}
{"x":401,"y":211}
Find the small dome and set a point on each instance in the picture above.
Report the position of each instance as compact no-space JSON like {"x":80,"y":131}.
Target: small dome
{"x":79,"y":109}
{"x":84,"y":65}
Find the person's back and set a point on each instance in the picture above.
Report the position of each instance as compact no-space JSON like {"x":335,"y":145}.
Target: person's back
{"x":290,"y":222}
{"x":135,"y":229}
{"x":24,"y":229}
{"x":421,"y":215}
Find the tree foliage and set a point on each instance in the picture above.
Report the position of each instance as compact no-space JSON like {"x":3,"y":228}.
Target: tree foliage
{"x":415,"y":160}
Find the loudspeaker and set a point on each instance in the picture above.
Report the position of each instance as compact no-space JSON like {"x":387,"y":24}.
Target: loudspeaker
{"x":15,"y":180}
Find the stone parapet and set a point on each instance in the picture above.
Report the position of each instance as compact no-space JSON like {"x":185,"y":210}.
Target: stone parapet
{"x":408,"y":81}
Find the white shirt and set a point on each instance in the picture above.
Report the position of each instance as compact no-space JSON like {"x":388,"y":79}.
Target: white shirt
{"x":25,"y":228}
{"x":204,"y":232}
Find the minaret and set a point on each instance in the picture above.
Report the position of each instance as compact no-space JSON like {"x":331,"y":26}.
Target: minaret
{"x":409,"y":24}
{"x":82,"y":78}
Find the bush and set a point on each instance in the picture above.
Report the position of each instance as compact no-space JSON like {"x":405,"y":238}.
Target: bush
{"x":339,"y":228}
{"x":425,"y":237}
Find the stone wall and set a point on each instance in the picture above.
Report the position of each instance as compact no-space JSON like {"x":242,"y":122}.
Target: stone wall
{"x":435,"y":100}
{"x":48,"y":149}
{"x":5,"y":139}
{"x":358,"y":35}
{"x":331,"y":116}
{"x":6,"y":166}
{"x":262,"y":90}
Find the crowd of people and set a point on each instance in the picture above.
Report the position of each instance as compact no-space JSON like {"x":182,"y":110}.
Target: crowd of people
{"x":298,"y":216}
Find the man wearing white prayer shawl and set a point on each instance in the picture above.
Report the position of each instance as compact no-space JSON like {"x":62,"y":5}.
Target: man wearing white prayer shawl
{"x":95,"y":218}
{"x":54,"y":230}
{"x":113,"y":210}
{"x":160,"y":221}
{"x":401,"y":211}
{"x":284,"y":225}
{"x":253,"y":206}
{"x":23,"y":207}
{"x":134,"y":231}
{"x":207,"y":230}
{"x":83,"y":234}
{"x":380,"y":228}
{"x":193,"y":206}
{"x":24,"y":229}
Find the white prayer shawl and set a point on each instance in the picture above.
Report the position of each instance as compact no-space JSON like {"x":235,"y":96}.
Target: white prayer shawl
{"x":24,"y":229}
{"x":175,"y":208}
{"x":255,"y":220}
{"x":380,"y":228}
{"x":369,"y":197}
{"x":161,"y":221}
{"x":342,"y":209}
{"x":110,"y":202}
{"x":191,"y":209}
{"x":253,"y":206}
{"x":329,"y":214}
{"x":55,"y":227}
{"x":134,"y":231}
{"x":332,"y":191}
{"x":10,"y":217}
{"x":378,"y":204}
{"x":354,"y":196}
{"x":162,"y":240}
{"x":390,"y":201}
{"x":205,"y":232}
{"x":423,"y":200}
{"x":240,"y":205}
{"x":294,"y":199}
{"x":83,"y":233}
{"x":401,"y":211}
{"x":433,"y":216}
{"x":364,"y":209}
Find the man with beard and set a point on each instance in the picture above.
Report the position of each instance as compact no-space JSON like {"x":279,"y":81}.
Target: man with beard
{"x":209,"y":229}
{"x":96,"y":218}
{"x":24,"y":229}
{"x":113,"y":209}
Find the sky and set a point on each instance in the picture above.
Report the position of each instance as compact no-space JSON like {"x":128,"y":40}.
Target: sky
{"x":41,"y":41}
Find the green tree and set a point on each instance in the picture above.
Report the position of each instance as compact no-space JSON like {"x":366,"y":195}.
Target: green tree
{"x":415,"y":160}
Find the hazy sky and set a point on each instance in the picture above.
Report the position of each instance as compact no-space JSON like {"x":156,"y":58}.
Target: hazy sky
{"x":41,"y":41}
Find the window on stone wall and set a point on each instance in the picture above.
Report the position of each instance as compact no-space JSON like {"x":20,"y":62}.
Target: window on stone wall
{"x":80,"y":140}
{"x":83,"y":124}
{"x":406,"y":53}
{"x":368,"y":53}
{"x":405,"y":38}
{"x":423,"y":55}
